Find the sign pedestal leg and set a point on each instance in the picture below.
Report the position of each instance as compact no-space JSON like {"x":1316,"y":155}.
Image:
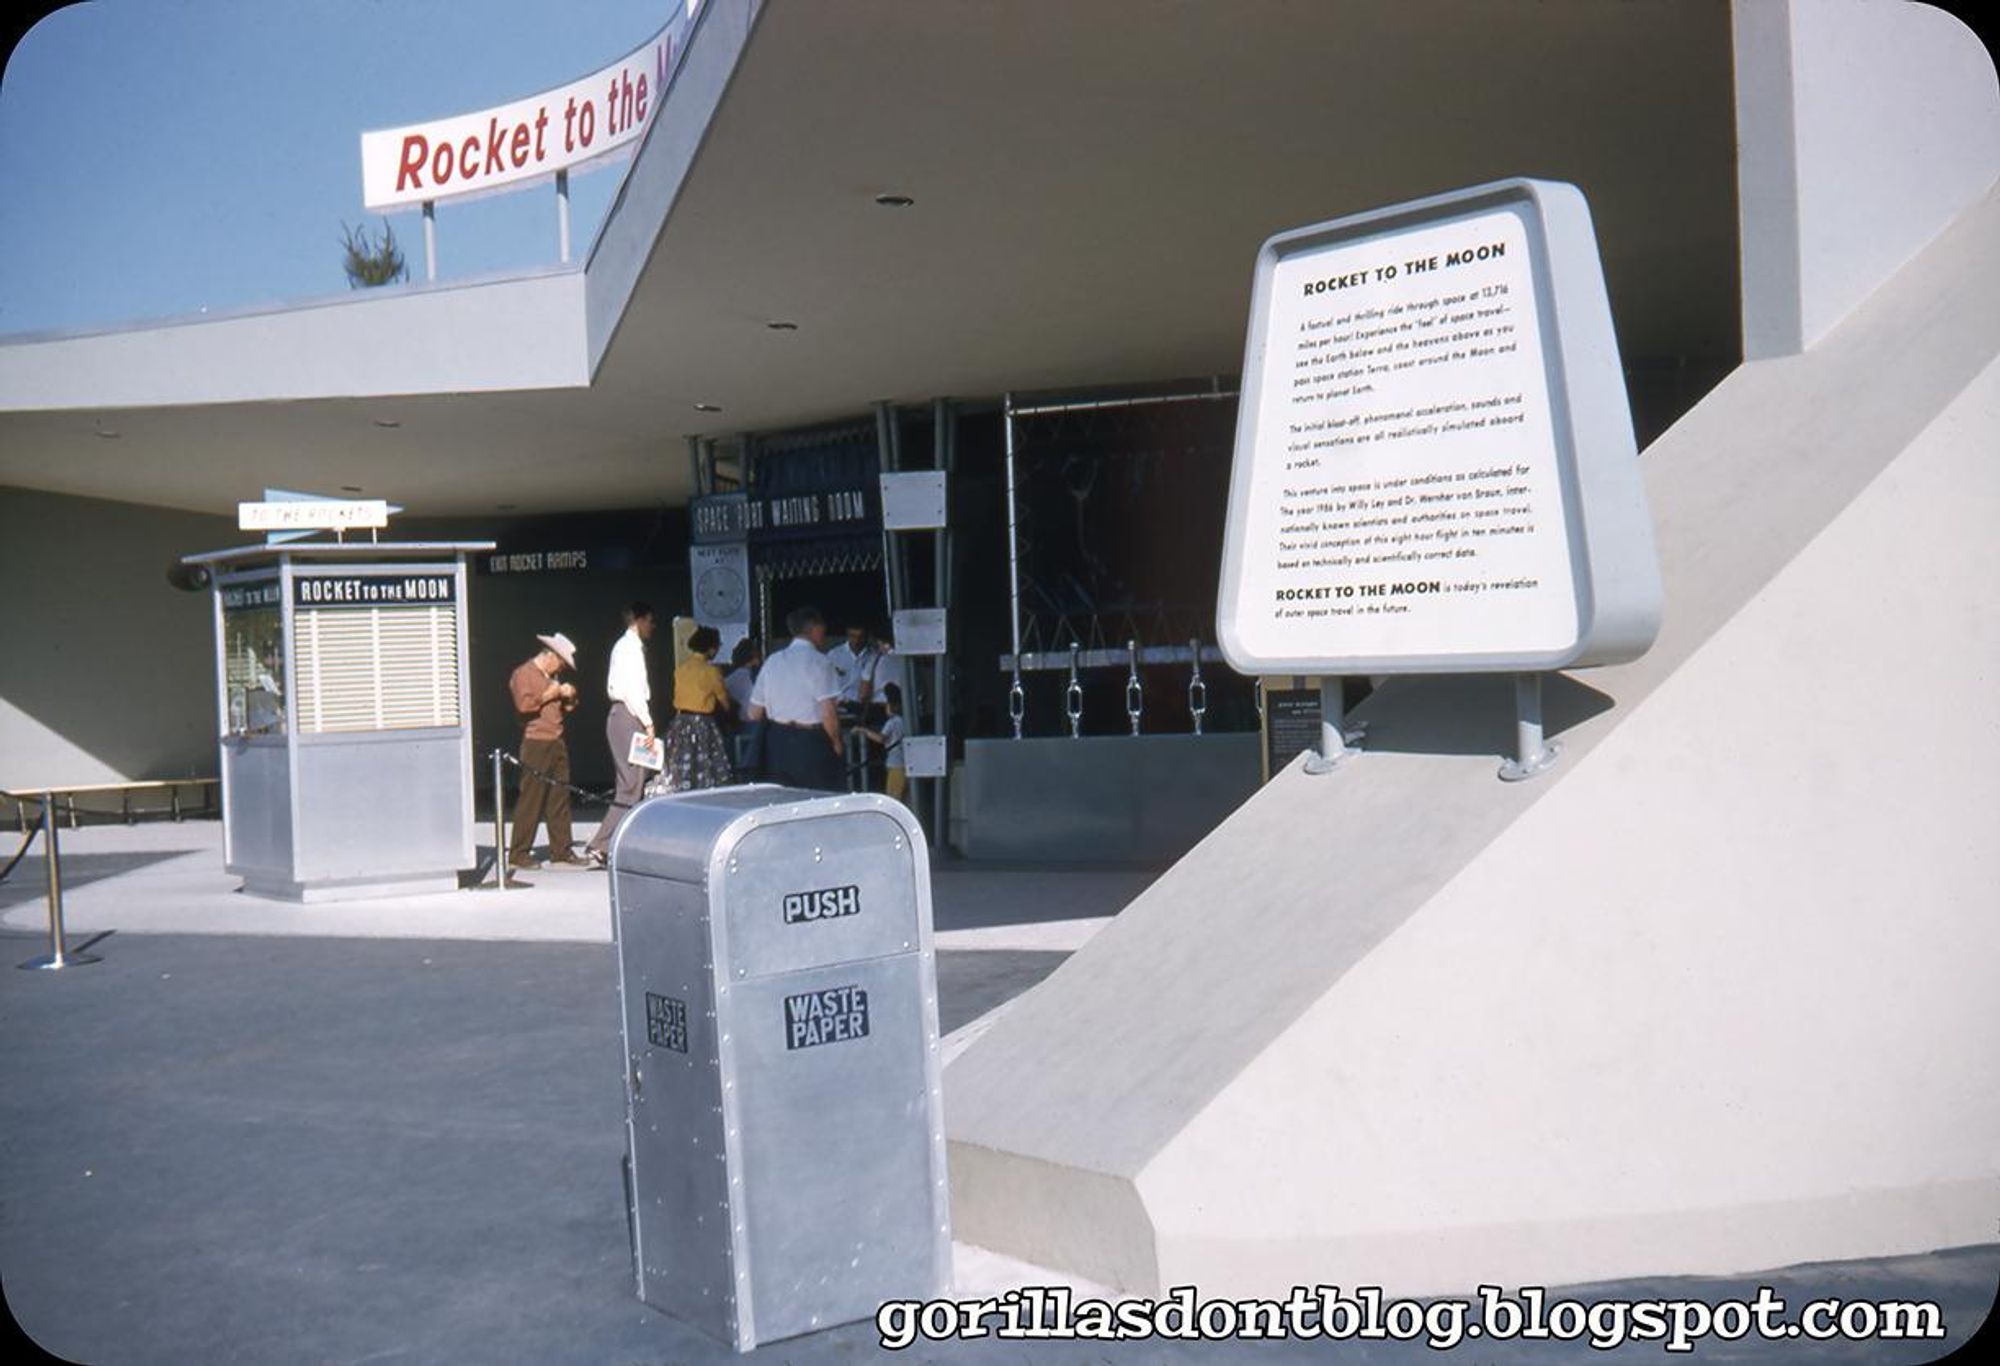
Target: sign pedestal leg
{"x":1335,"y":735}
{"x":1532,"y":754}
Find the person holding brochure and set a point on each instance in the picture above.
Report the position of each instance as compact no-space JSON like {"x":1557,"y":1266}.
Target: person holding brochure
{"x":631,"y":691}
{"x":696,"y":756}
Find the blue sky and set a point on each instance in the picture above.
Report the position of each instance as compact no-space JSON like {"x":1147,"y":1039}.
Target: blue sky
{"x":161,"y":157}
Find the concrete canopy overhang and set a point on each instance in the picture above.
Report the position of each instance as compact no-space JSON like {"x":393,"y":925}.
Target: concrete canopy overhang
{"x":1091,"y":183}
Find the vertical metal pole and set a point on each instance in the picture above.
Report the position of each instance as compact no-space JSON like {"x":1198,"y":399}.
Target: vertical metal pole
{"x":430,"y":240}
{"x":1013,"y":540}
{"x":499,"y":826}
{"x":1014,"y":695}
{"x":943,"y":418}
{"x":562,"y":214}
{"x":885,"y":463}
{"x":57,"y":956}
{"x":1532,"y":754}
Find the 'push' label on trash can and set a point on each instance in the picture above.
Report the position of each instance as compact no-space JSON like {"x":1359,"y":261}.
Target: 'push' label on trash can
{"x":828,"y":903}
{"x":831,"y":1016}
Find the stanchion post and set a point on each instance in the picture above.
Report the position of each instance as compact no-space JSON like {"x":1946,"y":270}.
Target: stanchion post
{"x":57,"y":956}
{"x":499,"y":826}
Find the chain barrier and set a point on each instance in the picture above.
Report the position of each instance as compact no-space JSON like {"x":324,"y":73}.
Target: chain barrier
{"x":1135,"y":692}
{"x":553,"y":781}
{"x":1073,"y":696}
{"x":1197,"y":690}
{"x":22,"y":852}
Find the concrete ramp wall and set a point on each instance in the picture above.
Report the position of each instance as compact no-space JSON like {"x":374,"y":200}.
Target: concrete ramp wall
{"x":1711,"y":995}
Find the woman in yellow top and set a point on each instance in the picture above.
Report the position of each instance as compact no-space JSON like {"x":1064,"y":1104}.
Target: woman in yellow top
{"x":696,"y":756}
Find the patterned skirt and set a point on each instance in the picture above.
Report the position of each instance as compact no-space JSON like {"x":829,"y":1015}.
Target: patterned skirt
{"x":696,"y":756}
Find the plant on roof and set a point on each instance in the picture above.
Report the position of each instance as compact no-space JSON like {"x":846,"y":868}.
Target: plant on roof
{"x":370,"y":262}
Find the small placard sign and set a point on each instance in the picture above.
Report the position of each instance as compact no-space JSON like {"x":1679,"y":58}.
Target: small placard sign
{"x":314,"y":515}
{"x":918,"y":630}
{"x":913,"y":500}
{"x":1291,"y":723}
{"x":924,"y":756}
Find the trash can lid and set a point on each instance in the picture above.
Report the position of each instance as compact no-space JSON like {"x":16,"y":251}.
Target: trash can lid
{"x":677,"y":835}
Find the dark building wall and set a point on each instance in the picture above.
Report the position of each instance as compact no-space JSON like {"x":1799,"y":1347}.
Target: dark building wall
{"x":108,"y":672}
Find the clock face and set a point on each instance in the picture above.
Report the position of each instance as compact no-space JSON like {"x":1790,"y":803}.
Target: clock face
{"x":718,"y":594}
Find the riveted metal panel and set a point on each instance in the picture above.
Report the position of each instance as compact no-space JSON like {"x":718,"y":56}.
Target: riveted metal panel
{"x":831,"y":890}
{"x":844,"y":1200}
{"x":673,"y":1093}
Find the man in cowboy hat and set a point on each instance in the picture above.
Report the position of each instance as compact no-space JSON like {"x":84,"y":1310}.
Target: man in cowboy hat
{"x":541,"y":700}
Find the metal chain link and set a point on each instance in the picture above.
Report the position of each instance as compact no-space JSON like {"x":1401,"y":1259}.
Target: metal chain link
{"x":1197,"y":690}
{"x":1017,"y":702}
{"x":1073,"y":696}
{"x":1135,"y":692}
{"x":553,"y":781}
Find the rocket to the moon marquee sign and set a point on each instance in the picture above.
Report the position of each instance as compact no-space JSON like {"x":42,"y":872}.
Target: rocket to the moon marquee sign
{"x":527,"y":140}
{"x":1434,"y":468}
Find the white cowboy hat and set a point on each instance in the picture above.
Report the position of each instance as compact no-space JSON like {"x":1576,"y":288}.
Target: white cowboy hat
{"x":562,"y":645}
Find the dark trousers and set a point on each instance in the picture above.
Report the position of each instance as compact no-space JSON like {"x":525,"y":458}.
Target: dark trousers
{"x":619,"y":728}
{"x":798,"y":756}
{"x":541,"y":800}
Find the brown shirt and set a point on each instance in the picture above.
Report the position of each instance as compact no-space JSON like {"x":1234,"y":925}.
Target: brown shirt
{"x":544,"y":720}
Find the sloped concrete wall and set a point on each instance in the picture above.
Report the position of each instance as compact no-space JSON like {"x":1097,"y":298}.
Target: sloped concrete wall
{"x":1408,"y":1020}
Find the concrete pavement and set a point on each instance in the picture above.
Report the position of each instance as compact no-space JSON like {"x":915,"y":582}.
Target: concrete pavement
{"x":258,"y":1132}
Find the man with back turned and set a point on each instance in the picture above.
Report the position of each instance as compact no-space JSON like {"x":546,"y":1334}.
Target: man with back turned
{"x":795,"y":693}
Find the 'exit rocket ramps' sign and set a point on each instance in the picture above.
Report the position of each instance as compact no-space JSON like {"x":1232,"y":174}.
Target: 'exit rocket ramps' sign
{"x":1434,"y":467}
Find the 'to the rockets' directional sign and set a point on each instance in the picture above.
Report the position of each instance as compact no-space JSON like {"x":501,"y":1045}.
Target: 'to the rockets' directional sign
{"x":1434,"y":466}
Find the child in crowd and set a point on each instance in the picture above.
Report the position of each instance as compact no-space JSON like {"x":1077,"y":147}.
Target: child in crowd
{"x":896,"y":775}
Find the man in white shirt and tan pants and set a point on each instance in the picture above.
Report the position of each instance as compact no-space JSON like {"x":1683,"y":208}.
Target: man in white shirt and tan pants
{"x":631,"y":694}
{"x":795,"y":693}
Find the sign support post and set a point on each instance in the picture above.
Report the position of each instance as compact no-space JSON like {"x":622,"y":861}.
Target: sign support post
{"x":562,"y":214}
{"x":430,"y":240}
{"x":1532,"y":754}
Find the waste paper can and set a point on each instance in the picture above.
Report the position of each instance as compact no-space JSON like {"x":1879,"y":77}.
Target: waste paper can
{"x":784,"y":1117}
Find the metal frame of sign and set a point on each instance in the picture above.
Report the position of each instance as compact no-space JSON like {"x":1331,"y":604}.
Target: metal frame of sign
{"x":1360,"y":272}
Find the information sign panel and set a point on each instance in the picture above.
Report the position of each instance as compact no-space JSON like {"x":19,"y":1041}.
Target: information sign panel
{"x":1434,"y":466}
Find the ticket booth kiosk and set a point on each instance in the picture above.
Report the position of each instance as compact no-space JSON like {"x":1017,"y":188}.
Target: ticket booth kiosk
{"x":346,"y":729}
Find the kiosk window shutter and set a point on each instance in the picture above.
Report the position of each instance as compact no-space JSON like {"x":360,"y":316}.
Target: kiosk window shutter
{"x":378,"y":668}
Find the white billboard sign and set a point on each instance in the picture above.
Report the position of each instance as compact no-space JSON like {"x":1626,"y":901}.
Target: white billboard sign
{"x":521,"y":142}
{"x":314,"y":515}
{"x":1434,"y":466}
